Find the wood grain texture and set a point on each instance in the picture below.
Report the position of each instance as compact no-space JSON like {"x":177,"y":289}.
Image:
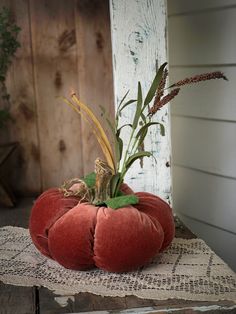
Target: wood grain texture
{"x":20,"y":300}
{"x":205,"y":197}
{"x":205,"y":145}
{"x":55,"y":62}
{"x":138,"y":39}
{"x":201,"y":38}
{"x":88,"y":303}
{"x":95,"y":86}
{"x":64,"y":46}
{"x":211,"y":233}
{"x":23,"y":127}
{"x":211,"y":100}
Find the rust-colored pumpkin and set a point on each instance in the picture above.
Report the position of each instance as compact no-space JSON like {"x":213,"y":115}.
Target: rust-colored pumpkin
{"x":71,"y":228}
{"x":81,"y":236}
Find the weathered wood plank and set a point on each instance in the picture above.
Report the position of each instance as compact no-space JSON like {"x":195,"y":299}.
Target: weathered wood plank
{"x":89,"y":303}
{"x":17,"y":216}
{"x":139,"y":41}
{"x":20,"y":86}
{"x":191,"y":309}
{"x":55,"y":61}
{"x":95,"y":85}
{"x":50,"y":302}
{"x":20,"y":300}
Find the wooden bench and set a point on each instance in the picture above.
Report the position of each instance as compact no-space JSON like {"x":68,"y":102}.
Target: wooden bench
{"x":27,"y":300}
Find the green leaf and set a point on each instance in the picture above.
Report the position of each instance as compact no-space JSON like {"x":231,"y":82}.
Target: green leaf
{"x":146,"y":126}
{"x":152,"y":91}
{"x":131,"y":101}
{"x":142,"y":137}
{"x":119,"y":148}
{"x":90,"y":179}
{"x":120,"y":142}
{"x":162,"y":129}
{"x":122,"y":201}
{"x":118,"y":131}
{"x":136,"y":156}
{"x":139,"y":107}
{"x":113,"y":183}
{"x":122,"y":100}
{"x":120,"y":193}
{"x":143,"y":118}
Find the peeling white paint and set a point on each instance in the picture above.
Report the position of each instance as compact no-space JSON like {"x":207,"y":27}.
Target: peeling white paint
{"x":138,"y":41}
{"x":63,"y":300}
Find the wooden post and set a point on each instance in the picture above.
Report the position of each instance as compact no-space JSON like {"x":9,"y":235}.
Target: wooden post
{"x":139,"y":45}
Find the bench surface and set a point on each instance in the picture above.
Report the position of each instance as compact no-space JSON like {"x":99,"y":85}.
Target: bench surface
{"x":27,"y":300}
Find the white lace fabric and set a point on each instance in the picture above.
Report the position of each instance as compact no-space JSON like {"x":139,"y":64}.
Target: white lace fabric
{"x":188,"y":270}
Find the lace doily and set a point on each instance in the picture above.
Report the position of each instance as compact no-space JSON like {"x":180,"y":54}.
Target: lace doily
{"x":189,"y":270}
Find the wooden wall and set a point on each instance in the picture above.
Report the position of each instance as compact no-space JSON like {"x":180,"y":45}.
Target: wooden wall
{"x":64,"y":45}
{"x":202,"y":39}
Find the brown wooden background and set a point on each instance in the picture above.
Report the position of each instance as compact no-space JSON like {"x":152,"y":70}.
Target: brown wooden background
{"x":64,"y":45}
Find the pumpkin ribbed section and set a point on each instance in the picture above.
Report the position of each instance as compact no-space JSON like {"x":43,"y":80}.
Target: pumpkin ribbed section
{"x":81,"y":236}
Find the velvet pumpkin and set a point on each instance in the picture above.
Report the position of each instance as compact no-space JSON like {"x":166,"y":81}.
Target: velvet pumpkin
{"x":81,"y":236}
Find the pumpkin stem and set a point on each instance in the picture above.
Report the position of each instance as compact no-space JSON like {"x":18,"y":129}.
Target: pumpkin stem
{"x":103,"y":176}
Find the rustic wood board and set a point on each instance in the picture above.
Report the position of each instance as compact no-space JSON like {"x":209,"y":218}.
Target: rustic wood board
{"x":64,"y":45}
{"x":23,"y":128}
{"x":50,"y":302}
{"x":17,"y":216}
{"x":139,"y":46}
{"x":54,"y":50}
{"x":20,"y":300}
{"x":95,"y":85}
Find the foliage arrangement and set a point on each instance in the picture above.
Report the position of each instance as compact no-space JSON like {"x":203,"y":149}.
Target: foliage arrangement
{"x":8,"y":46}
{"x":104,"y":185}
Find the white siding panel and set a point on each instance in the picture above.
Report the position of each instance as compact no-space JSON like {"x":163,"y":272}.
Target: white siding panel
{"x":204,"y":144}
{"x":214,"y":99}
{"x":183,"y":6}
{"x":205,"y":197}
{"x":206,"y":38}
{"x":222,"y":242}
